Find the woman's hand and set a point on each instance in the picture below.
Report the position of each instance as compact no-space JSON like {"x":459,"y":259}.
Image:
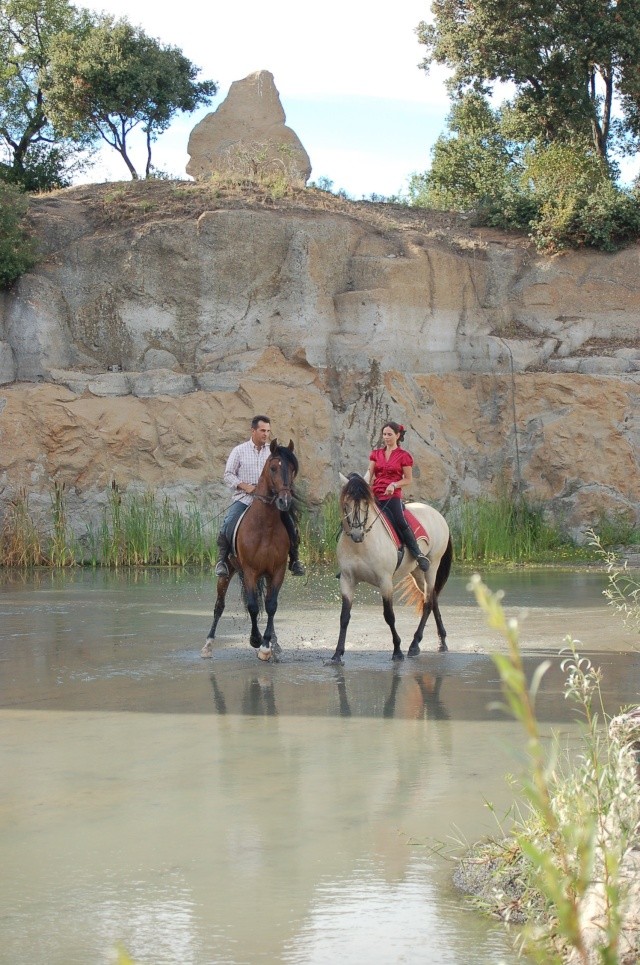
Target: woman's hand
{"x":390,"y":490}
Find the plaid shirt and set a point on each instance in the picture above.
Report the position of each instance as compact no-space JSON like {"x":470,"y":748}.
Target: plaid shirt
{"x":244,"y":465}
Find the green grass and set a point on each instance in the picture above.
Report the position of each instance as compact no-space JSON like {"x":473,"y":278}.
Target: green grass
{"x":142,"y":529}
{"x":504,"y":530}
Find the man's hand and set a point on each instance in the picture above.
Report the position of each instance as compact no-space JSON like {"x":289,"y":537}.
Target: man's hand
{"x":247,"y":488}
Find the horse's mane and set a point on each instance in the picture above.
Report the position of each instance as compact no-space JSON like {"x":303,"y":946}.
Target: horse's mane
{"x":357,"y":488}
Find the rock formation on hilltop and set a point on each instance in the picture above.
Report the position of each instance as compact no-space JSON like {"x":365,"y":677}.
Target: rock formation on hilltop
{"x":247,"y":135}
{"x":161,"y":318}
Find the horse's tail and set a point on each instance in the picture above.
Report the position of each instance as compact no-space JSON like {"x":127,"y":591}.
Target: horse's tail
{"x":444,"y":567}
{"x":260,"y":588}
{"x":410,"y":593}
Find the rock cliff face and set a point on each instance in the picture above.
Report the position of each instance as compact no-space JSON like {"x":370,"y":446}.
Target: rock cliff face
{"x":161,"y":318}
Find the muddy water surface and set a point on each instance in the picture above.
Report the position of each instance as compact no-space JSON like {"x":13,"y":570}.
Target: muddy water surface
{"x":230,"y":811}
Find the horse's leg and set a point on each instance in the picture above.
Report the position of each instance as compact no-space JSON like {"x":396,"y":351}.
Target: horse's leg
{"x":252,"y":601}
{"x":442,"y":633}
{"x":346,"y":588}
{"x":269,"y":639}
{"x":390,"y":618}
{"x":222,"y":586}
{"x":424,"y":582}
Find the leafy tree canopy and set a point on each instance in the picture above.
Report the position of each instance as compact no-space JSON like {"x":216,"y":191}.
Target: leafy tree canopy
{"x":33,"y":153}
{"x":472,"y":165}
{"x":567,"y":61}
{"x":112,"y":77}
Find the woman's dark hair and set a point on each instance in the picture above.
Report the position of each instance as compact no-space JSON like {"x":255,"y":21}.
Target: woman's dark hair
{"x":397,"y":428}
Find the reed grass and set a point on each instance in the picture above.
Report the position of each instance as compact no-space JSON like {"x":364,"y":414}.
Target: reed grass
{"x":319,"y":532}
{"x":20,"y":541}
{"x":136,"y":529}
{"x":141,"y":529}
{"x":505,"y":530}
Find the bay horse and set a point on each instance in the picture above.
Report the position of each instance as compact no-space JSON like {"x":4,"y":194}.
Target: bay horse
{"x":262,"y":551}
{"x":367,"y":554}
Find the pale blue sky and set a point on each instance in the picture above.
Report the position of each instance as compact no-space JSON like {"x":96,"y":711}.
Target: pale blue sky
{"x":346,"y":71}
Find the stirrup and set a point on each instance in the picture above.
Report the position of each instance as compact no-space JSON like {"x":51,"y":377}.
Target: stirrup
{"x":422,"y":562}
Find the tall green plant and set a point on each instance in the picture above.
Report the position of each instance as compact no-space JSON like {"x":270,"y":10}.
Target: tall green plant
{"x":503,"y":529}
{"x":19,"y":537}
{"x":319,"y":531}
{"x":61,"y":549}
{"x":582,"y":825}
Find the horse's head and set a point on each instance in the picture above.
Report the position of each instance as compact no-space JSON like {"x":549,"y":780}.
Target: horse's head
{"x":355,"y":501}
{"x":280,"y":470}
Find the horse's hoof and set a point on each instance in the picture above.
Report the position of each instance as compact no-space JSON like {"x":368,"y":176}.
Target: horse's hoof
{"x":206,"y":651}
{"x":413,"y":650}
{"x":336,"y":662}
{"x":443,"y":647}
{"x":264,"y":653}
{"x":398,"y":655}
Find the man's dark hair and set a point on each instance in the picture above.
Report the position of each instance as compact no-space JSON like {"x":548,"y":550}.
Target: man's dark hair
{"x":259,"y":418}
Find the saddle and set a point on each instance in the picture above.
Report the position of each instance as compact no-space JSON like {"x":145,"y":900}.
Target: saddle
{"x":418,"y":529}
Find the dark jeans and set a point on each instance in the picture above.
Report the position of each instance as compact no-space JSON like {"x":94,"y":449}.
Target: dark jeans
{"x":231,"y":517}
{"x":394,"y":511}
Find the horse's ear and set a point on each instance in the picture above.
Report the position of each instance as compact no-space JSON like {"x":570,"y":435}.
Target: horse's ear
{"x":291,"y":445}
{"x":367,"y":476}
{"x":343,"y":479}
{"x":274,"y":444}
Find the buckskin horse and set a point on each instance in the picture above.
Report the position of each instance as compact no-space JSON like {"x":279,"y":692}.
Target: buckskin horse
{"x":367,"y":553}
{"x":261,"y":551}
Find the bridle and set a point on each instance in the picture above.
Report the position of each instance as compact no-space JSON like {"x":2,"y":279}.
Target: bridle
{"x":354,"y":519}
{"x":285,"y":493}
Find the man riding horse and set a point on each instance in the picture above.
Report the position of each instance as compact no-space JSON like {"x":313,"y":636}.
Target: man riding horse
{"x":241,"y":474}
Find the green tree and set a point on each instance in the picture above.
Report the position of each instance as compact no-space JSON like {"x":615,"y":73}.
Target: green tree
{"x":566,"y":60}
{"x":17,"y":252}
{"x":33,"y":153}
{"x":472,"y":165}
{"x":114,"y":78}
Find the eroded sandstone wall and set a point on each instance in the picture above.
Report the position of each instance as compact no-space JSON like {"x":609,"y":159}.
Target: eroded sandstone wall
{"x":139,"y":352}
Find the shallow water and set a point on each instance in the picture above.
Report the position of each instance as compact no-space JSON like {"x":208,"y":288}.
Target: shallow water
{"x":230,"y":811}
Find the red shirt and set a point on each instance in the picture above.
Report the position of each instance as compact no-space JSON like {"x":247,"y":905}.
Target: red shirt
{"x":388,"y":470}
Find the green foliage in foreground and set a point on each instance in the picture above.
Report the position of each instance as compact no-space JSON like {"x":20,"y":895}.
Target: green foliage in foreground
{"x":570,"y":844}
{"x":17,"y":251}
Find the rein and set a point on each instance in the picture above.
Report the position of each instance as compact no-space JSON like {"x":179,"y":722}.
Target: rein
{"x":353,"y":518}
{"x":270,"y":500}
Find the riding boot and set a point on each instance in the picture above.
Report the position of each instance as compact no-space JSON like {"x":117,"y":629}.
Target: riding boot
{"x":410,"y":541}
{"x":295,"y":565}
{"x":224,"y":547}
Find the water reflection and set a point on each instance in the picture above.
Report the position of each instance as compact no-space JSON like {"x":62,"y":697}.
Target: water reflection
{"x":236,"y":812}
